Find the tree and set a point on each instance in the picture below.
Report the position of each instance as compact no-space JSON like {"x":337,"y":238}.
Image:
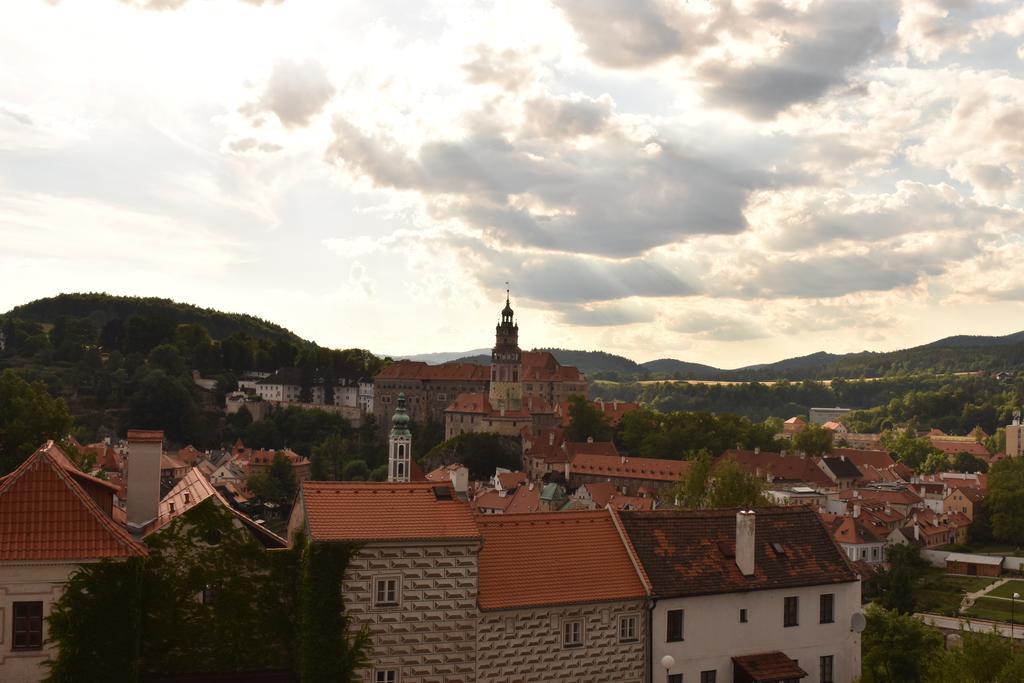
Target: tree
{"x":1005,"y":500}
{"x":814,"y":440}
{"x":28,"y":417}
{"x":161,"y":401}
{"x":479,"y":452}
{"x":276,"y":484}
{"x":897,"y":647}
{"x":896,"y":584}
{"x":166,"y":357}
{"x":935,"y":462}
{"x":586,"y":421}
{"x":722,"y":485}
{"x":965,"y":462}
{"x":329,"y":459}
{"x":981,"y":658}
{"x":907,"y":447}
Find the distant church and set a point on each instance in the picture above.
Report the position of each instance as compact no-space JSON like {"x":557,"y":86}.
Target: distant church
{"x":520,"y":391}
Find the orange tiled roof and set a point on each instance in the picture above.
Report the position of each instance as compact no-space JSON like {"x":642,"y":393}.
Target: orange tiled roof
{"x":357,"y":511}
{"x":558,"y":558}
{"x":510,"y":480}
{"x":46,"y":515}
{"x":542,"y":366}
{"x":902,"y":497}
{"x":866,"y":457}
{"x":653,"y":469}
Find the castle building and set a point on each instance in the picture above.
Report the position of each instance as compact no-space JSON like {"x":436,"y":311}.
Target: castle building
{"x":519,"y":389}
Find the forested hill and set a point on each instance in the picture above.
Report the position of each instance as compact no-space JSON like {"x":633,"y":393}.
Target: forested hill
{"x":100,"y":308}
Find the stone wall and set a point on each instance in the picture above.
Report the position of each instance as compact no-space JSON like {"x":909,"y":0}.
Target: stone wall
{"x":525,"y":645}
{"x":430,"y":636}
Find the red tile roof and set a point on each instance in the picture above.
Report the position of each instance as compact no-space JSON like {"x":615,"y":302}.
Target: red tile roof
{"x":616,"y":467}
{"x":851,"y":530}
{"x":510,"y":480}
{"x":866,"y":457}
{"x":779,"y":467}
{"x":46,"y":515}
{"x":357,"y":511}
{"x":954,"y":445}
{"x":896,"y":497}
{"x":605,"y":493}
{"x":769,"y":667}
{"x":612,"y":411}
{"x":691,"y":552}
{"x":408,"y":369}
{"x":559,"y":558}
{"x":541,"y":366}
{"x":146,"y":435}
{"x":479,"y":404}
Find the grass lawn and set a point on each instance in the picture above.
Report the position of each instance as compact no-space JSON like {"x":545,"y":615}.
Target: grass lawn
{"x":1008,"y":589}
{"x":995,"y":609}
{"x":939,"y":592}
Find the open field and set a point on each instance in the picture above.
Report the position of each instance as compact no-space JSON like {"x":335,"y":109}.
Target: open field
{"x":939,"y":592}
{"x":1008,"y":589}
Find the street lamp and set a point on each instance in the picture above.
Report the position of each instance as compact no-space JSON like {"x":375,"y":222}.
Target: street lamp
{"x":1013,"y":601}
{"x":668,"y":661}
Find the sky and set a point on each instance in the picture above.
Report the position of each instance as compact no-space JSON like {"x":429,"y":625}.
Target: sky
{"x":720,"y":182}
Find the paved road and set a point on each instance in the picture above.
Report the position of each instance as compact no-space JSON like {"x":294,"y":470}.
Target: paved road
{"x":977,"y":625}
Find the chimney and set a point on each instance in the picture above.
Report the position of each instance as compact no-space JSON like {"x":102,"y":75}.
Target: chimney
{"x":856,"y":510}
{"x":551,"y":439}
{"x":917,"y":531}
{"x":590,"y":439}
{"x":757,"y":450}
{"x":745,"y":522}
{"x":622,"y":460}
{"x":782,"y":453}
{"x":144,"y":448}
{"x":460,"y":480}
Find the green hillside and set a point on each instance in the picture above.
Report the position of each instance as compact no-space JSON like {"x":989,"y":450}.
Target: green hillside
{"x":100,"y":308}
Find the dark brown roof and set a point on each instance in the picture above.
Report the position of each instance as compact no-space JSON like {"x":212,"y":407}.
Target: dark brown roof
{"x":769,"y":667}
{"x":459,"y":372}
{"x":842,"y":467}
{"x":683,"y":551}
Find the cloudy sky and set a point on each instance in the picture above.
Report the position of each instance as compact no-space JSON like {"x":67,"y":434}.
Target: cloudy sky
{"x":722,"y":182}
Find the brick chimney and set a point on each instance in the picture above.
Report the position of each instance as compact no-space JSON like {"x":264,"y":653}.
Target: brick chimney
{"x":745,"y":546}
{"x":144,"y":448}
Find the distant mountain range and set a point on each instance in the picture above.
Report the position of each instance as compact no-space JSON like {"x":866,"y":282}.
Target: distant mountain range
{"x":960,"y":353}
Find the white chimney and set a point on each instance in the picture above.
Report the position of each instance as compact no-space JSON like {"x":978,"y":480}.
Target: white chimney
{"x":917,"y":532}
{"x":144,"y":448}
{"x":745,"y":523}
{"x":460,"y":480}
{"x":856,"y":510}
{"x":551,"y":439}
{"x":757,"y":450}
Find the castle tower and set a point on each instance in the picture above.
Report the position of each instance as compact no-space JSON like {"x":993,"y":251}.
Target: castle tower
{"x":399,"y":444}
{"x":506,"y":391}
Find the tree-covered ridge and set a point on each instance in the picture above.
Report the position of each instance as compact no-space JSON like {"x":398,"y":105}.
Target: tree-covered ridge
{"x":100,"y":308}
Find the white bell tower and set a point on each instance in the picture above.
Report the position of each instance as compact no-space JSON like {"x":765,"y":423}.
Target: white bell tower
{"x":399,"y":444}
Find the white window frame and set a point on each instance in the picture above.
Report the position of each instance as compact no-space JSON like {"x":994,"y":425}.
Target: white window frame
{"x":385,"y":676}
{"x":629,"y":631}
{"x":572,"y":633}
{"x":394,"y":592}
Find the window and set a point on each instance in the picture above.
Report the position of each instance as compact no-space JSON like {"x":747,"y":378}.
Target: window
{"x":791,"y":609}
{"x":828,"y":602}
{"x":708,"y":676}
{"x":385,"y":593}
{"x":675,"y":625}
{"x":743,"y":615}
{"x":28,"y":625}
{"x":627,"y":630}
{"x":572,"y":633}
{"x":385,"y":676}
{"x":825,"y":666}
{"x":675,"y":678}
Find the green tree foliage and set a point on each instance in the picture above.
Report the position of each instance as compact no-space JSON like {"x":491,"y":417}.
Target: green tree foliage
{"x":813,"y":440}
{"x":586,"y":421}
{"x":965,"y":462}
{"x":716,"y":485}
{"x":296,"y":428}
{"x":1005,"y":500}
{"x":166,"y":357}
{"x":162,"y":401}
{"x":329,"y":650}
{"x":981,"y":658}
{"x":28,"y":417}
{"x":208,"y":598}
{"x":897,"y":647}
{"x":896,"y":584}
{"x":908,"y":448}
{"x":329,"y":459}
{"x":936,"y":461}
{"x":481,"y":453}
{"x":277,"y":484}
{"x":651,"y":434}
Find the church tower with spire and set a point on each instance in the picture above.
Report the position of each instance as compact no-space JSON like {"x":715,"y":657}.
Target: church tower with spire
{"x":506,"y":391}
{"x":400,"y":444}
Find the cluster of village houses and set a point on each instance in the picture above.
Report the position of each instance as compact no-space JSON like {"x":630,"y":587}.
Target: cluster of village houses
{"x":575,"y":567}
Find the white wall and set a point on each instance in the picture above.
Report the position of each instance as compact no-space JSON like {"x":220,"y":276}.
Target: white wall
{"x":713,"y":633}
{"x":27,"y":583}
